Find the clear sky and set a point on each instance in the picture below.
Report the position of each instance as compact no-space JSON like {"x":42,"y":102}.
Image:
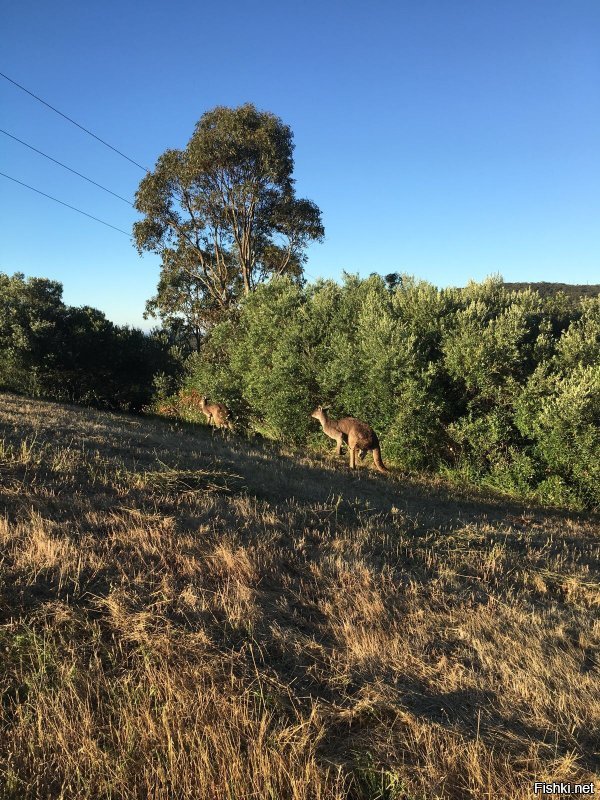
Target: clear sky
{"x":450,"y":139}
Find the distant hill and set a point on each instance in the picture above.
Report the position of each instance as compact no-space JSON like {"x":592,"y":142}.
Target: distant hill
{"x":545,"y":289}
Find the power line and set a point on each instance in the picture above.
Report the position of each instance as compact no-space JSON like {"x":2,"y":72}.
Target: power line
{"x":81,"y":127}
{"x":56,"y":200}
{"x":74,"y":171}
{"x":73,"y":121}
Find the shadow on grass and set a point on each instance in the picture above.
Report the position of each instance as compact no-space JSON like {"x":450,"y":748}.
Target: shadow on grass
{"x":160,"y":469}
{"x":472,"y":713}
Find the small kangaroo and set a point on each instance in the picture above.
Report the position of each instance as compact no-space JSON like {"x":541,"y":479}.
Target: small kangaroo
{"x":216,"y":413}
{"x":356,"y":434}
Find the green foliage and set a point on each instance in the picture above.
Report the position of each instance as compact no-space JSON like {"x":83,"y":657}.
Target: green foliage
{"x":377,"y":783}
{"x":580,"y":344}
{"x":223,"y":216}
{"x":499,"y":387}
{"x":488,"y":350}
{"x":571,"y":292}
{"x":561,"y":415}
{"x":275,"y":375}
{"x":30,"y":329}
{"x":210,"y":372}
{"x":51,"y":350}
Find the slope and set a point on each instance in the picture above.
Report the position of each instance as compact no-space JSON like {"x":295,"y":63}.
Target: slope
{"x":188,"y":616}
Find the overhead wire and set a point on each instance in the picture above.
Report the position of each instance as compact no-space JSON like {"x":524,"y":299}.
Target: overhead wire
{"x":70,"y":119}
{"x":56,"y":200}
{"x":79,"y":174}
{"x":74,"y":171}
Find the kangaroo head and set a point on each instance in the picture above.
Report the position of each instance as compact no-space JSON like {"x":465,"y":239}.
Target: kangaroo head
{"x":319,"y":413}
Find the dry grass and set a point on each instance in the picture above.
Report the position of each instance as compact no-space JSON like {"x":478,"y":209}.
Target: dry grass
{"x":188,"y":616}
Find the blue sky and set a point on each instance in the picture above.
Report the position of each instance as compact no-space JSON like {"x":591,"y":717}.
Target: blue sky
{"x":443,"y":138}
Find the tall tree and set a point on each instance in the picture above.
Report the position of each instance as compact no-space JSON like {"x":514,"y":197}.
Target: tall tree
{"x":223,"y":214}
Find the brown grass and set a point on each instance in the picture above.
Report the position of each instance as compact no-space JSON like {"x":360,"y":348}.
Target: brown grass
{"x":184,"y":615}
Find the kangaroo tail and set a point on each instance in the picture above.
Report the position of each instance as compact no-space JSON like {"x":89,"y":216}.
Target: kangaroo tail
{"x":378,"y":461}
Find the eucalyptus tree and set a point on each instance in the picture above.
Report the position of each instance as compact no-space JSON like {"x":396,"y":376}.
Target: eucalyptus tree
{"x":223,"y":214}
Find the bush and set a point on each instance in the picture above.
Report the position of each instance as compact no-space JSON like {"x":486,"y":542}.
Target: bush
{"x":497,"y":386}
{"x":561,"y":415}
{"x":71,"y":354}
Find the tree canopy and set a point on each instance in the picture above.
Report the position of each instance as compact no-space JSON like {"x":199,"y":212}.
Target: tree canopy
{"x":49,"y":349}
{"x":223,"y":214}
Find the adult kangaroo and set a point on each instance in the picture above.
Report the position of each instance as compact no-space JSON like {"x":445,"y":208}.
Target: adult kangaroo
{"x":351,"y":431}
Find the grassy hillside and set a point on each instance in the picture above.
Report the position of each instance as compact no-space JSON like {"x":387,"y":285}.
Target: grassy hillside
{"x":183,"y":616}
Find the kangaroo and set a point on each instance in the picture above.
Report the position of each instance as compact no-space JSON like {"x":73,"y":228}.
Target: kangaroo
{"x":216,"y":413}
{"x":356,"y":434}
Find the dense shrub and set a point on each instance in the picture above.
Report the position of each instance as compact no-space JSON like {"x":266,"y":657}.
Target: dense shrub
{"x":260,"y":365}
{"x":561,"y":414}
{"x":500,"y":387}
